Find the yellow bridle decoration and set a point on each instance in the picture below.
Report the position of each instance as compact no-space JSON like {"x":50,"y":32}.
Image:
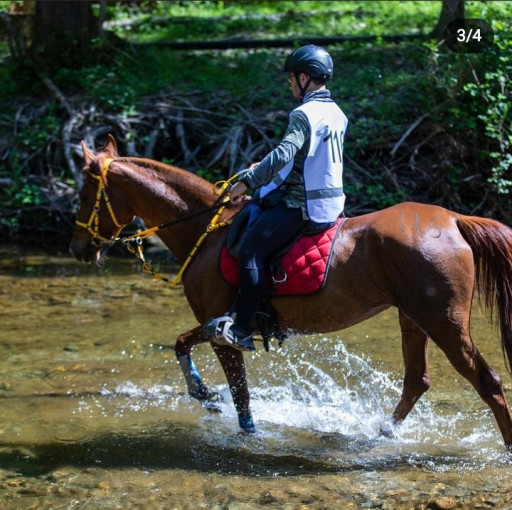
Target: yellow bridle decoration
{"x":177,"y":280}
{"x":92,"y":226}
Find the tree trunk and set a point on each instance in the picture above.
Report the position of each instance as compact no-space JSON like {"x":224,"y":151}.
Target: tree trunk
{"x":451,"y":10}
{"x":63,"y":29}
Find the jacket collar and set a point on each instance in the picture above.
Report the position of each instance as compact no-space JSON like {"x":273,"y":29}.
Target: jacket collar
{"x":317,"y":94}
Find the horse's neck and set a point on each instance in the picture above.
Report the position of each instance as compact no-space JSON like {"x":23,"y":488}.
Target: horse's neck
{"x":159,"y":194}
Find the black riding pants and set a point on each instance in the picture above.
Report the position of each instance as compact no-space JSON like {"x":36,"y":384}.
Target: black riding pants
{"x":273,"y":229}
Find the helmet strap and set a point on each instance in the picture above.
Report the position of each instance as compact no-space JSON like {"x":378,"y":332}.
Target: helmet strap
{"x":302,"y":89}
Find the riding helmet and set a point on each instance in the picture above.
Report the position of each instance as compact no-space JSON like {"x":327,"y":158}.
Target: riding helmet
{"x":311,"y":59}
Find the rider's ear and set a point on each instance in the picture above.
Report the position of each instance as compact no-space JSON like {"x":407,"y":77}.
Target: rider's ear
{"x":88,"y":155}
{"x":111,"y":147}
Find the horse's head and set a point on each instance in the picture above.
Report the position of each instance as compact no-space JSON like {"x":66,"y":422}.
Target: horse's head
{"x":102,"y":212}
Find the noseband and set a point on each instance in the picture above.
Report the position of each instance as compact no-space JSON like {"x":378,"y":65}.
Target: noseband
{"x":93,"y":225}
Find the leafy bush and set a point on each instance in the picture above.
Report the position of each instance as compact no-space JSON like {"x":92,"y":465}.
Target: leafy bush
{"x":491,"y":104}
{"x":477,"y":119}
{"x":425,"y":124}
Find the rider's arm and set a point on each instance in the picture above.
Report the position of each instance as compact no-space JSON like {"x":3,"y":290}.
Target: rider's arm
{"x":293,"y":140}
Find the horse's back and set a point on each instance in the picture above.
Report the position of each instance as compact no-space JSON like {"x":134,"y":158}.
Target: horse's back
{"x":420,"y":257}
{"x":409,"y":222}
{"x":406,"y":226}
{"x":392,"y":254}
{"x":410,"y":256}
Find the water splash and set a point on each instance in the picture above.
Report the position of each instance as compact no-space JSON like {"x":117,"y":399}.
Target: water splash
{"x":338,"y":410}
{"x":330,"y":415}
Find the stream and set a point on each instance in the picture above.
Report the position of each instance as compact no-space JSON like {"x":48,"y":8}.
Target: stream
{"x":94,"y":412}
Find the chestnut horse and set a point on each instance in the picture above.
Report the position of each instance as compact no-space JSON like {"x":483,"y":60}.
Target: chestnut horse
{"x":422,"y":259}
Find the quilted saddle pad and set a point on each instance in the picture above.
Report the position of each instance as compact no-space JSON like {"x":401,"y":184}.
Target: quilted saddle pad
{"x":305,"y":264}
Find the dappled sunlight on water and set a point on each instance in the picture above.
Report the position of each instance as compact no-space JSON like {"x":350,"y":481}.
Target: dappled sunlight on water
{"x":94,"y":410}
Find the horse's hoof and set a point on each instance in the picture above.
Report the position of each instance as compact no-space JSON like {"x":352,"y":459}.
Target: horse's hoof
{"x":211,"y":402}
{"x":205,"y":395}
{"x":387,"y":430}
{"x":247,"y":424}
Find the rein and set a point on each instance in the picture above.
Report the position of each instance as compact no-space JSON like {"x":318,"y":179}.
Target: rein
{"x":133,"y":243}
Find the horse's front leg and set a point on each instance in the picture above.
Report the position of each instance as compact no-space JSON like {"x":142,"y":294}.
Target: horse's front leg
{"x":232,"y":361}
{"x":195,"y":386}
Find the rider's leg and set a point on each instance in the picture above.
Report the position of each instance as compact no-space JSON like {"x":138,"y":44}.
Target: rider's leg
{"x":274,"y":227}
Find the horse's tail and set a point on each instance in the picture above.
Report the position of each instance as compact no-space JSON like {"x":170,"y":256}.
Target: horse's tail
{"x":491,"y":243}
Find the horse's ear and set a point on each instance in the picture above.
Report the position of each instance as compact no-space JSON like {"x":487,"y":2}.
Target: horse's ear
{"x":111,"y":147}
{"x":88,"y":155}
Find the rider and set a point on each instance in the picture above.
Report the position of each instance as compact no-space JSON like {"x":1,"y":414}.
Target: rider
{"x":299,"y":185}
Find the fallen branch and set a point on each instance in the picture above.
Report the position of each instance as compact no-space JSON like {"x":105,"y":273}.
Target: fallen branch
{"x":411,"y":128}
{"x":227,"y":44}
{"x":53,"y":89}
{"x":67,"y":131}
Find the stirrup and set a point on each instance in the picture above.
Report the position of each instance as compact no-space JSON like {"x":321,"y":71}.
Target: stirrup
{"x":216,"y":327}
{"x":222,"y":331}
{"x":241,"y":340}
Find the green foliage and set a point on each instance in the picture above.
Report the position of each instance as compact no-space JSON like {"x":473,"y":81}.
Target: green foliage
{"x":212,"y":174}
{"x":192,"y":20}
{"x":373,"y":195}
{"x":491,"y":99}
{"x":25,"y":192}
{"x":114,"y":88}
{"x":425,"y":123}
{"x":478,"y":91}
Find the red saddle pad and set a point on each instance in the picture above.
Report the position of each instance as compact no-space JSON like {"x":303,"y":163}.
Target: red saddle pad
{"x":305,"y":264}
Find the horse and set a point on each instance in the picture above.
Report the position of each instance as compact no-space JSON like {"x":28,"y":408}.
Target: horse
{"x":422,"y":259}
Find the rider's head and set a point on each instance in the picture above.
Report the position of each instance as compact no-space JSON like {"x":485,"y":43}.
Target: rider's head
{"x":309,"y":64}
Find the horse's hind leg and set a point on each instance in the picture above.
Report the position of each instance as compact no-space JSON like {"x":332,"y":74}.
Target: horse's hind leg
{"x":416,"y":378}
{"x":468,"y":361}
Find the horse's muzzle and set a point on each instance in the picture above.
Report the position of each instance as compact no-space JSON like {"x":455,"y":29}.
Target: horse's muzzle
{"x":84,"y":250}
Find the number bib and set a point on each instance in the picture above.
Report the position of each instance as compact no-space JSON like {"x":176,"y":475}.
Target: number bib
{"x":323,"y":167}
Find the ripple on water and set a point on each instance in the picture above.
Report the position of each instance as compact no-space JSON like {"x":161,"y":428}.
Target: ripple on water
{"x":309,"y":422}
{"x":92,"y":413}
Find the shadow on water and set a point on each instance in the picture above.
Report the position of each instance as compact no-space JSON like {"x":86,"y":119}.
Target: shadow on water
{"x":226,"y":454}
{"x":93,"y":406}
{"x":176,"y":449}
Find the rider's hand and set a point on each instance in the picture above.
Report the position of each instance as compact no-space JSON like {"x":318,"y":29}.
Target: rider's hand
{"x":238,"y":189}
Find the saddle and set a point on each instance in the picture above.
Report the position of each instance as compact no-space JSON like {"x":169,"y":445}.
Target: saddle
{"x":299,"y":268}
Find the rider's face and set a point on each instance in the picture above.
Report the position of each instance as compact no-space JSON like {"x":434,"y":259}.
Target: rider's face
{"x":292,"y":81}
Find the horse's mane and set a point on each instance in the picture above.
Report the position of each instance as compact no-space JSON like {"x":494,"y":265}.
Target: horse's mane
{"x":171,"y":175}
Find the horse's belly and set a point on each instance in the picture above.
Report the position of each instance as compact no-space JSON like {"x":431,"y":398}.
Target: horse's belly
{"x":325,"y":313}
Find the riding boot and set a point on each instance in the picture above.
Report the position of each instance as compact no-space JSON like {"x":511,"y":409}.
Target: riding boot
{"x":224,"y":331}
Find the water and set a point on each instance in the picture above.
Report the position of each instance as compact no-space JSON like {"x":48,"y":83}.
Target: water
{"x":94,"y":412}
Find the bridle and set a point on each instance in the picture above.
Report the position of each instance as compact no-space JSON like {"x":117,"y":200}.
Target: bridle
{"x":134,"y":243}
{"x":93,"y":225}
